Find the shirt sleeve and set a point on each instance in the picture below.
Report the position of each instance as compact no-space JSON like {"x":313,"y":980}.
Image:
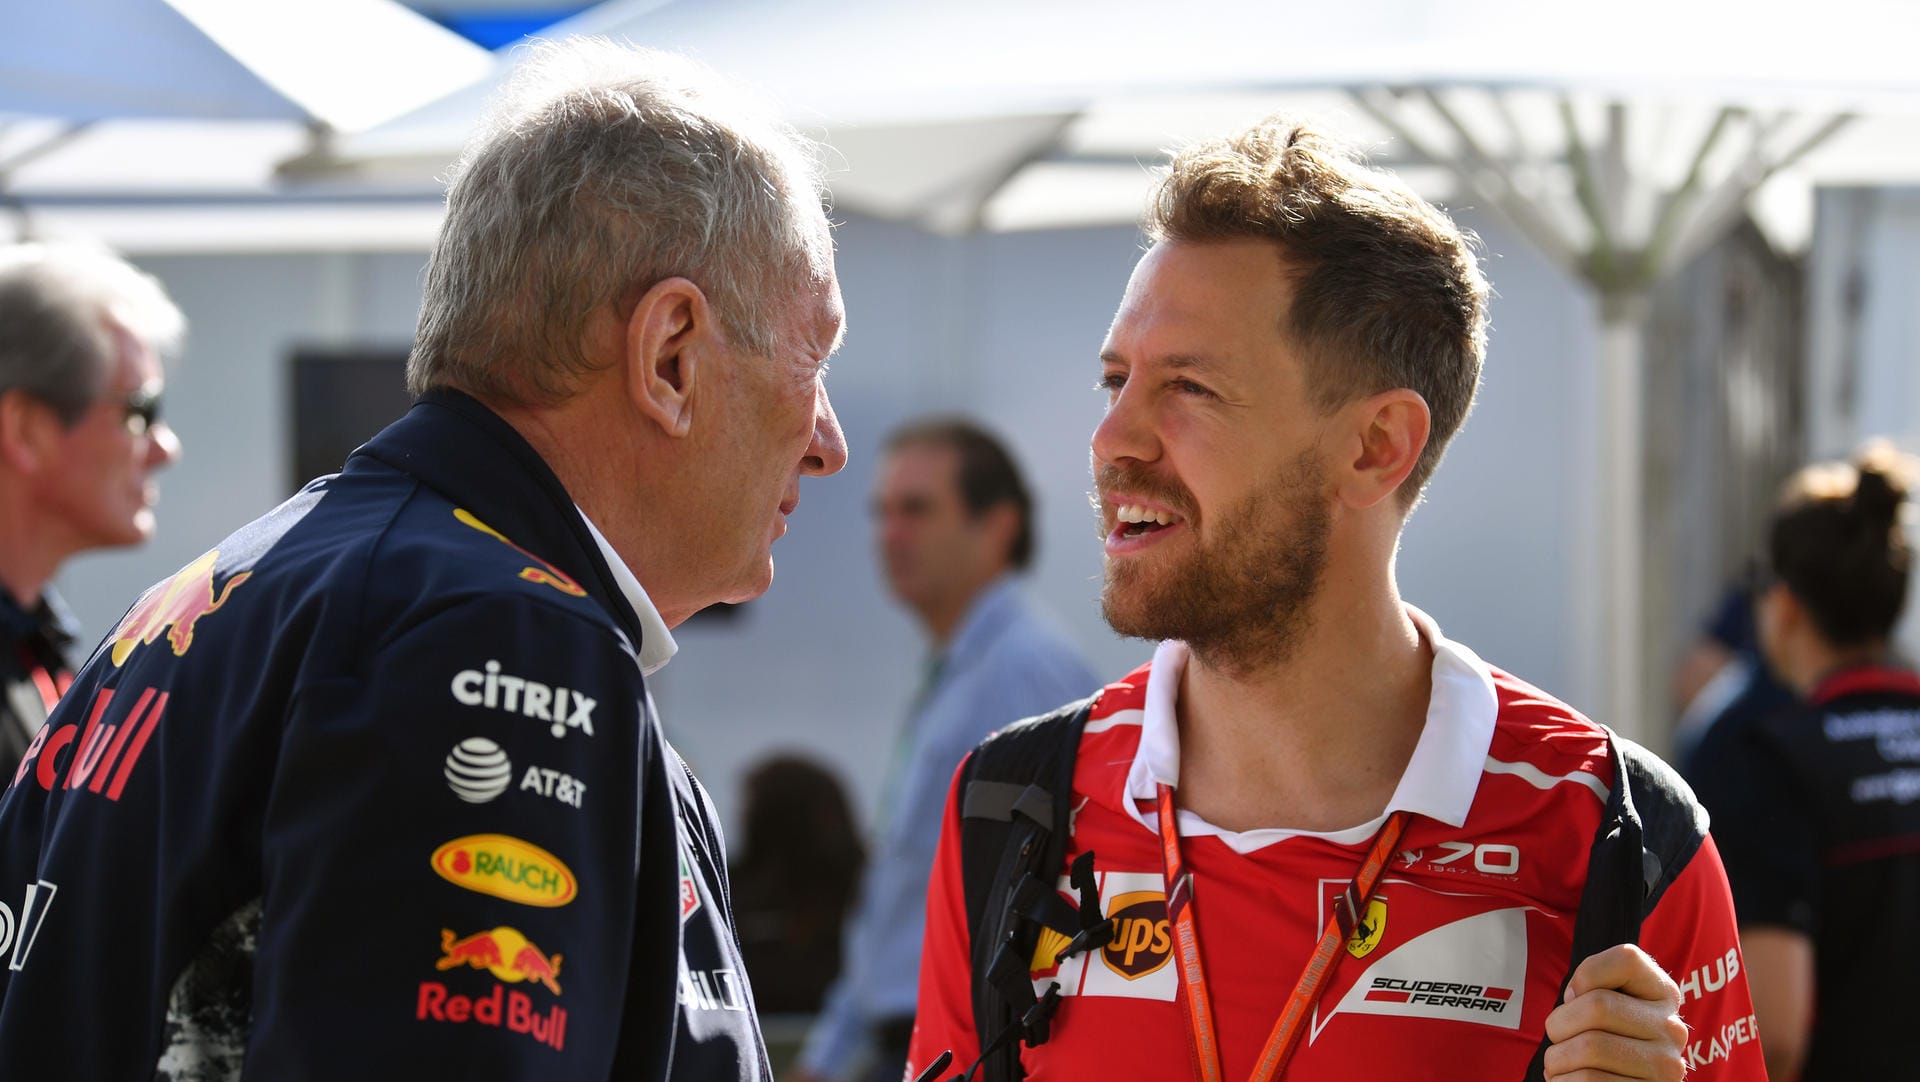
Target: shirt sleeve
{"x":1691,"y":932}
{"x":450,"y":855}
{"x":944,"y":1019}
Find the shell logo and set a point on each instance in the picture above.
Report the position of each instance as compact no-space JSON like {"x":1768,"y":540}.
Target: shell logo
{"x":506,"y":867}
{"x":1046,"y":953}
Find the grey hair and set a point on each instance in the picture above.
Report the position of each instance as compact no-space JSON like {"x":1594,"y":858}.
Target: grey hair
{"x":58,"y":305}
{"x":601,"y":170}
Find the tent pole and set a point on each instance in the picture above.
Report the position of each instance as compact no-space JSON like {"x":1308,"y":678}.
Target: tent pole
{"x":1624,"y":701}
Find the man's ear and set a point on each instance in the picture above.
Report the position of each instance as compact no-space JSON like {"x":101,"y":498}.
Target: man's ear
{"x":1788,"y":612}
{"x":1001,"y":524}
{"x":27,"y":428}
{"x":669,"y":335}
{"x":1389,"y":431}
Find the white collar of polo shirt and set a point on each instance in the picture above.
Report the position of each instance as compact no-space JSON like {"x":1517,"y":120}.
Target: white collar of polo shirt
{"x":656,"y":639}
{"x":1439,"y":781}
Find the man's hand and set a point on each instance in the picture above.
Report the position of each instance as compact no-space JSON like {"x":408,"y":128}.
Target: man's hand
{"x":1621,"y":1020}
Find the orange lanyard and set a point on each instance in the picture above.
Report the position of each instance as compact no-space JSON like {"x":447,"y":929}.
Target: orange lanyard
{"x":1201,"y":1041}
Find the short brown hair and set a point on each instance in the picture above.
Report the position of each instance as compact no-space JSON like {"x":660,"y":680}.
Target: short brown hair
{"x":988,"y":475}
{"x":1387,"y":292}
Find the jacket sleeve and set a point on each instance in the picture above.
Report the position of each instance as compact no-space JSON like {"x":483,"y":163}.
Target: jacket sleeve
{"x":450,"y":854}
{"x":1692,"y":933}
{"x":944,"y":1015}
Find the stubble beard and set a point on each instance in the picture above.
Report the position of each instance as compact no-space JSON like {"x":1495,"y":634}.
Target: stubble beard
{"x":1243,"y":601}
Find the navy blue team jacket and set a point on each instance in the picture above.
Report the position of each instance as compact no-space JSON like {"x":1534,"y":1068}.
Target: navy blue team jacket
{"x":372,"y":790}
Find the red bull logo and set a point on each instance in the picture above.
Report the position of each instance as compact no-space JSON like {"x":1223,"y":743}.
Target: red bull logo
{"x":545,"y":573}
{"x":173,"y":607}
{"x":503,"y":952}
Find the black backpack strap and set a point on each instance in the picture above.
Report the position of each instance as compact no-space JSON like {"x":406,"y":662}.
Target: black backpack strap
{"x":1015,"y":807}
{"x":1648,"y":834}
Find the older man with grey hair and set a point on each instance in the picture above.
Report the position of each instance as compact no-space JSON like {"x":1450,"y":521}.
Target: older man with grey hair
{"x":82,"y":334}
{"x":375,"y":787}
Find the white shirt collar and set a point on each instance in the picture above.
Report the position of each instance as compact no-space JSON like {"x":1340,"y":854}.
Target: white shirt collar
{"x":1440,"y":778}
{"x":656,"y":639}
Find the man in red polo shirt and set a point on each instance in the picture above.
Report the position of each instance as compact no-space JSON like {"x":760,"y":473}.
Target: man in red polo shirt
{"x":1286,"y":367}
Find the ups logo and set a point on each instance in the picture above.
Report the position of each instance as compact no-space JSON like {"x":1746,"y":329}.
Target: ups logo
{"x":1141,"y":944}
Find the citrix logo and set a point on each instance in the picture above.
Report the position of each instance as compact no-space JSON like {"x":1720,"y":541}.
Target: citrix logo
{"x":565,"y":708}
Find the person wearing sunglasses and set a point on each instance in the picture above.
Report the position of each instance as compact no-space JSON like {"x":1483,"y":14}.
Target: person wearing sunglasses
{"x":82,"y":337}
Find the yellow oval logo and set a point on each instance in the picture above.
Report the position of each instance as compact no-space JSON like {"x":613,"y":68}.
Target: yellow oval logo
{"x":506,"y":867}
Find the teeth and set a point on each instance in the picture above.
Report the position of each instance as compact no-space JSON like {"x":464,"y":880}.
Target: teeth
{"x":1134,"y":514}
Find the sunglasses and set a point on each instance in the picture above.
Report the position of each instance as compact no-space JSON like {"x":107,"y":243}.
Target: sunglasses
{"x":143,"y":409}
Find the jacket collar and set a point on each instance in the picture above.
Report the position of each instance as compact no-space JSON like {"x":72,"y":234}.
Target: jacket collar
{"x":48,"y":623}
{"x":465,"y":451}
{"x":1865,"y":680}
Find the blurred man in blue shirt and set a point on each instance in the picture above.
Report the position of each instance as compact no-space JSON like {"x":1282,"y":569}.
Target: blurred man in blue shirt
{"x":954,"y":522}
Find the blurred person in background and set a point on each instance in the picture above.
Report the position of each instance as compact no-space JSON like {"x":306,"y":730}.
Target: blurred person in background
{"x":82,"y":339}
{"x":376,"y":787}
{"x":793,"y":881}
{"x":1815,"y":806}
{"x":953,"y":523}
{"x":1722,"y":684}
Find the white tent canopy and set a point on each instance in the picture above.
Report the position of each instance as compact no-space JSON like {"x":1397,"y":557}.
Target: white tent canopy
{"x":347,"y":64}
{"x":137,"y":121}
{"x":1621,"y":140}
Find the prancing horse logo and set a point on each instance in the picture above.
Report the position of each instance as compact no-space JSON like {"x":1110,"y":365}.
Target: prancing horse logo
{"x":1366,"y":934}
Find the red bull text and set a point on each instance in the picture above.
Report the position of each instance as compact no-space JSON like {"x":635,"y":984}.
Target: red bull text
{"x":100,"y":757}
{"x":502,"y":1009}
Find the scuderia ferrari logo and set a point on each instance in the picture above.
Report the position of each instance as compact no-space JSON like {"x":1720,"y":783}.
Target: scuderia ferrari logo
{"x":1366,"y":934}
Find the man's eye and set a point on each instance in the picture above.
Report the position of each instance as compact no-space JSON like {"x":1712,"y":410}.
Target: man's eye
{"x":1111,"y":382}
{"x":1187,"y":386}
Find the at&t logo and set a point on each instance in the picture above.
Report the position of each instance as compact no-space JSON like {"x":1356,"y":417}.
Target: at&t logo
{"x":477,"y":770}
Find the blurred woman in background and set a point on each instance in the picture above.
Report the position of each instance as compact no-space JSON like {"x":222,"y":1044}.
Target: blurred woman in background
{"x":798,"y":867}
{"x":1817,"y":808}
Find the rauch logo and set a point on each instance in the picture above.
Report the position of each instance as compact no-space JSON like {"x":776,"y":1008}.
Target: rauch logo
{"x":506,"y":867}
